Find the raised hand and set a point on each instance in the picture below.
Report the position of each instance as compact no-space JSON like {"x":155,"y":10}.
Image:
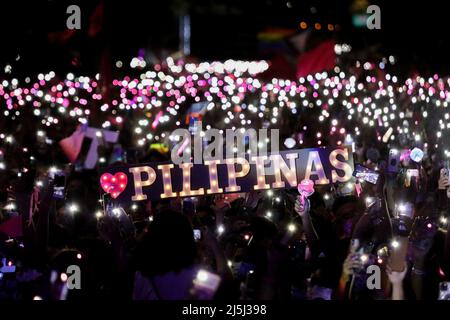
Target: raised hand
{"x":396,"y":277}
{"x":444,"y":182}
{"x":352,"y":262}
{"x":301,"y":207}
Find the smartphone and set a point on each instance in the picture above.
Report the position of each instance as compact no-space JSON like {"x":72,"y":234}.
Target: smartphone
{"x":59,"y":185}
{"x":354,"y":244}
{"x":197,"y":235}
{"x":205,"y":285}
{"x":444,"y":291}
{"x":412,"y":173}
{"x":366,"y":174}
{"x":359,"y":256}
{"x":394,"y":161}
{"x":405,"y":210}
{"x":444,"y":173}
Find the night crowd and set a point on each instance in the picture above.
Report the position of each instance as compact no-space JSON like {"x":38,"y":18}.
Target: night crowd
{"x":262,"y":245}
{"x":245,"y":246}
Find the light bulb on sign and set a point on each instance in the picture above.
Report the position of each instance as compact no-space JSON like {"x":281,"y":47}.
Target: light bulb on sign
{"x":289,"y":143}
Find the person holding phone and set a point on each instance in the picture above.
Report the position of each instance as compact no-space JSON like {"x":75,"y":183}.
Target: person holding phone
{"x":167,"y":259}
{"x":444,"y":186}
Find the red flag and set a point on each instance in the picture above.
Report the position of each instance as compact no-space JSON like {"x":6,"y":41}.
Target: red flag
{"x":96,"y":20}
{"x":72,"y":145}
{"x":319,"y":59}
{"x":280,"y":67}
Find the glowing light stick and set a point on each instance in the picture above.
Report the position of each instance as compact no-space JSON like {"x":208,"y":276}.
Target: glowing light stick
{"x":157,"y":119}
{"x":306,"y":189}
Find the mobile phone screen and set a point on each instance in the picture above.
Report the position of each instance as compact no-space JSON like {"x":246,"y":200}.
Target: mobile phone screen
{"x":394,"y":161}
{"x":366,"y":174}
{"x":444,"y":291}
{"x":197,"y":234}
{"x":444,"y":173}
{"x":405,"y":209}
{"x":59,"y":186}
{"x":412,"y":172}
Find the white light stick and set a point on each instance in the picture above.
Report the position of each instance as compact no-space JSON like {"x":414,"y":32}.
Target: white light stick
{"x":416,"y":155}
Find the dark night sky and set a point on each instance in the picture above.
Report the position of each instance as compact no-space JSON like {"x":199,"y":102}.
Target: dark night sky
{"x":417,"y":33}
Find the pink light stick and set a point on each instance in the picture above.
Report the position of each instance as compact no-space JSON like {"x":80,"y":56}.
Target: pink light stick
{"x":306,"y":189}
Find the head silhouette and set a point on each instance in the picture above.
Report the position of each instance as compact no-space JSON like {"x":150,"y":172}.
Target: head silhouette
{"x":167,"y":246}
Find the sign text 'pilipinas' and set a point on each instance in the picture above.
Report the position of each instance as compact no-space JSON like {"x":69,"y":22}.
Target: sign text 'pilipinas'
{"x":281,"y":170}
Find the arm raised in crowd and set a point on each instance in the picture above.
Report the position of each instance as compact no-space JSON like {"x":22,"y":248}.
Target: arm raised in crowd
{"x":34,"y":205}
{"x":351,"y":263}
{"x":396,"y":279}
{"x":303,"y":212}
{"x":443,"y":197}
{"x":442,"y":192}
{"x":446,"y":263}
{"x":211,"y":242}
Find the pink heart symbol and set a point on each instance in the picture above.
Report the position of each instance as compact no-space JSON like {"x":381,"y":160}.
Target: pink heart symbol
{"x":114,"y":184}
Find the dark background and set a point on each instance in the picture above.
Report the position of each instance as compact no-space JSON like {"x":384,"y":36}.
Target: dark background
{"x":416,"y":33}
